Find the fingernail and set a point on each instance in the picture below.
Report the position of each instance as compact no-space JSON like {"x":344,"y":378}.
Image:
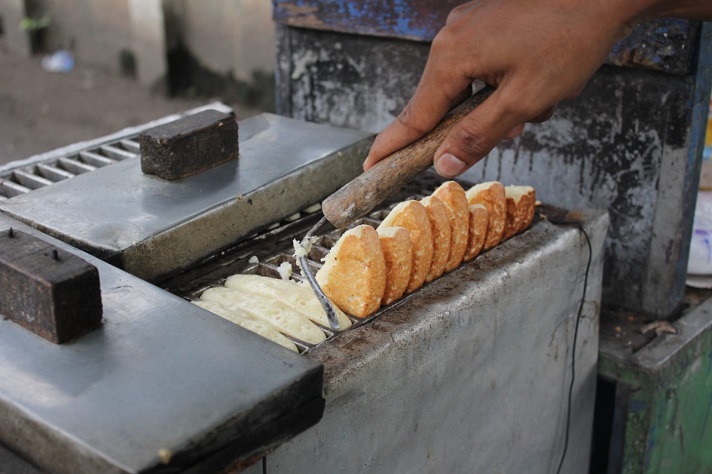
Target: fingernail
{"x":449,"y":166}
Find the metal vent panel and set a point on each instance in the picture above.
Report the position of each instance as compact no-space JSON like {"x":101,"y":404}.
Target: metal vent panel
{"x":28,"y":178}
{"x":40,"y":171}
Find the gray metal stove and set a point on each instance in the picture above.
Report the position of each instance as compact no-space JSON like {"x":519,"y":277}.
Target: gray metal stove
{"x":161,"y":385}
{"x":471,"y":372}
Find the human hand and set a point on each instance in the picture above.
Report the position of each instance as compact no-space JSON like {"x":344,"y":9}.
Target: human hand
{"x":535,"y":52}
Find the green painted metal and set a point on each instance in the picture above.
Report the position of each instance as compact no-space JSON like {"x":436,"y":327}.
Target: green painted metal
{"x":663,"y":398}
{"x":680,"y":435}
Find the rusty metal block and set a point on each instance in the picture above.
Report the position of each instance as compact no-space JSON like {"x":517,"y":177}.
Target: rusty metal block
{"x":53,"y":293}
{"x":189,"y":145}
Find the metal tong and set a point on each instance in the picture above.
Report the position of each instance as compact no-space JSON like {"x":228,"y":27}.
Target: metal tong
{"x":369,"y":189}
{"x":306,"y":270}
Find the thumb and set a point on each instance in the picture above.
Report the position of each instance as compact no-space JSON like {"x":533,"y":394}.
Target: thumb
{"x":476,"y":134}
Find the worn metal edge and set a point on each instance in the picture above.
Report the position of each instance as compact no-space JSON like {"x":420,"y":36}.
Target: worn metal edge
{"x":252,"y":450}
{"x":666,"y":354}
{"x":105,"y":253}
{"x":49,"y":444}
{"x":298,"y":413}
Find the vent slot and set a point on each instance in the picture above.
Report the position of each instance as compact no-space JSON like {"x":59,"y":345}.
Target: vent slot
{"x":10,"y":188}
{"x":75,"y":166}
{"x":117,"y":153}
{"x":26,"y":179}
{"x":95,"y":159}
{"x":31,"y":180}
{"x":53,"y":173}
{"x":131,"y":145}
{"x":83,"y":157}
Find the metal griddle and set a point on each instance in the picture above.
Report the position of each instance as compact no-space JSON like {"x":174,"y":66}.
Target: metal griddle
{"x":272,"y":247}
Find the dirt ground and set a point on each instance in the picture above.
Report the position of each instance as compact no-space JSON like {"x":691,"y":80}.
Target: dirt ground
{"x":41,"y":111}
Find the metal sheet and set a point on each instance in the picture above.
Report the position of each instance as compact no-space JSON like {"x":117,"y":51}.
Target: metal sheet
{"x":472,"y":373}
{"x":146,"y":224}
{"x":160,"y":377}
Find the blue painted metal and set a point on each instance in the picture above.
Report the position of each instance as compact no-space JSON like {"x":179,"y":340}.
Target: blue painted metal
{"x":415,"y":19}
{"x":662,"y":45}
{"x":698,"y":129}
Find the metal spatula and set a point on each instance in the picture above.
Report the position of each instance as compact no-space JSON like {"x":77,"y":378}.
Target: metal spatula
{"x":366,"y":191}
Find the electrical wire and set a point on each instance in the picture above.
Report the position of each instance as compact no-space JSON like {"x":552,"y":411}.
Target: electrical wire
{"x":576,"y":330}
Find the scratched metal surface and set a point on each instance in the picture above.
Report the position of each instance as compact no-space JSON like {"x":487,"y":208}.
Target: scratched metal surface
{"x":631,"y":144}
{"x":339,"y":79}
{"x":663,"y":45}
{"x":471,"y":375}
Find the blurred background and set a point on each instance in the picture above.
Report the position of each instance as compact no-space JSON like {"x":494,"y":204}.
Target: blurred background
{"x":73,"y":70}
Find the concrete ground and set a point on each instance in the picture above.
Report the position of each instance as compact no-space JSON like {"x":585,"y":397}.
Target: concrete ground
{"x":41,"y":111}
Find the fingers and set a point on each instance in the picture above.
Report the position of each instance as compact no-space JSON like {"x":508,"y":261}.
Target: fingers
{"x":396,"y":135}
{"x":406,"y":128}
{"x":544,"y":116}
{"x":469,"y":141}
{"x":475,"y":135}
{"x":515,"y":132}
{"x":419,"y":117}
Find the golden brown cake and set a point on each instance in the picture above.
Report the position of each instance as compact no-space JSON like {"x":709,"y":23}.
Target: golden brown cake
{"x":354,"y":272}
{"x":440,"y":226}
{"x":491,"y":195}
{"x":520,"y":209}
{"x":479,"y":220}
{"x":454,"y":198}
{"x":398,"y":253}
{"x":413,"y":216}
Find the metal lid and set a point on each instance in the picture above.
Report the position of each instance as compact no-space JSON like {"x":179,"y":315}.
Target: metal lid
{"x":150,"y":227}
{"x":162,"y":381}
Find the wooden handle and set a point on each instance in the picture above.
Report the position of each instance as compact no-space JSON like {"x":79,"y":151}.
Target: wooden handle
{"x":365,"y":192}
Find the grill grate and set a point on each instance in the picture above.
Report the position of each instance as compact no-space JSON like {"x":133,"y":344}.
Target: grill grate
{"x":274,"y":245}
{"x":38,"y":175}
